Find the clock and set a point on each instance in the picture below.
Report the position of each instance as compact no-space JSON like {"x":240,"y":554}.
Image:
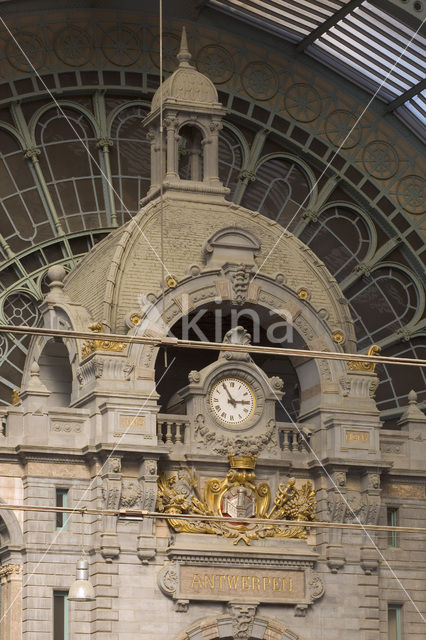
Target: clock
{"x":232,"y":400}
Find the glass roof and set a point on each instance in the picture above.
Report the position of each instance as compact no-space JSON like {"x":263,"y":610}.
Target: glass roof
{"x":373,"y":49}
{"x":294,"y":19}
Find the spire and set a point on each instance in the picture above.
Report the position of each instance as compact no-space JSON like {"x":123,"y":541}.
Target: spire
{"x":184,"y":56}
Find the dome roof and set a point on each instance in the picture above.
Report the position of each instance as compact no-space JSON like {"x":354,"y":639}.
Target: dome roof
{"x":186,"y":84}
{"x":122,"y":270}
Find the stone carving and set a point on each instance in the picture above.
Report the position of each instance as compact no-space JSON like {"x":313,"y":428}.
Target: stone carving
{"x":240,"y":282}
{"x":345,"y":384}
{"x":224,"y":445}
{"x":372,"y":388}
{"x":131,"y":492}
{"x":194,"y":376}
{"x":168,"y":579}
{"x":243,"y":615}
{"x":237,"y":495}
{"x":11,"y":569}
{"x":276,"y":383}
{"x":236,"y":335}
{"x":66,"y":427}
{"x":316,"y":587}
{"x":114,"y":465}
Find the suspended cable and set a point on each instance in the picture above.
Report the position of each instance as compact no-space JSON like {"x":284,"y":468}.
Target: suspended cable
{"x":170,"y":341}
{"x":141,"y":514}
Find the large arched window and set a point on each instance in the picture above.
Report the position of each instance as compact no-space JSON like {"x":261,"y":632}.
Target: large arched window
{"x":280,"y":191}
{"x":230,"y":159}
{"x":341,"y":238}
{"x":70,"y":162}
{"x":130,"y":161}
{"x":381,"y":304}
{"x":23,"y":217}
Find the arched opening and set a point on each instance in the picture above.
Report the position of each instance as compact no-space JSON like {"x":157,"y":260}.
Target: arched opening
{"x":56,"y":374}
{"x":190,"y":153}
{"x":211,"y":323}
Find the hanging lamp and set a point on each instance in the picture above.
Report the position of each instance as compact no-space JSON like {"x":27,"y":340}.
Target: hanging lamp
{"x":82,"y":589}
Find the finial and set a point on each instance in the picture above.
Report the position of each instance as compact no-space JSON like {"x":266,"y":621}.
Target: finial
{"x":412,"y":397}
{"x":184,"y":56}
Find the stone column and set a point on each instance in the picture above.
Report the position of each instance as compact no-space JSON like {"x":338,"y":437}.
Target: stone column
{"x":171,"y":155}
{"x":11,"y":602}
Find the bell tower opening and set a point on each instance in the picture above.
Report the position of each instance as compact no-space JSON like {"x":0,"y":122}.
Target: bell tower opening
{"x":190,"y":153}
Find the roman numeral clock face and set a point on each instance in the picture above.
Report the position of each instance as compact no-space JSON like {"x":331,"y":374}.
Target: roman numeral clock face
{"x":232,"y":401}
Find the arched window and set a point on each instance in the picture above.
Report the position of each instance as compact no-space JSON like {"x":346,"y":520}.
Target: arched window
{"x":71,"y":166}
{"x":381,"y":304}
{"x":130,"y":161}
{"x":23,"y":217}
{"x":341,"y":238}
{"x":230,"y":159}
{"x":280,"y":191}
{"x":190,"y":153}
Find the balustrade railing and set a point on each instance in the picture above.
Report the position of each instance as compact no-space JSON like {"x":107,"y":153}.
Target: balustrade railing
{"x":291,"y":439}
{"x":171,"y":428}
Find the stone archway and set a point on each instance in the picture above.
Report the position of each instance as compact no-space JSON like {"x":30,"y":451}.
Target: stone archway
{"x":240,"y":623}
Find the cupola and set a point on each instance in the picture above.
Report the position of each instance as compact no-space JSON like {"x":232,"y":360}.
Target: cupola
{"x":183,"y":128}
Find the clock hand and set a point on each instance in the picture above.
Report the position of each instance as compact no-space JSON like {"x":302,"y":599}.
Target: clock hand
{"x":231,"y":399}
{"x":243,"y":401}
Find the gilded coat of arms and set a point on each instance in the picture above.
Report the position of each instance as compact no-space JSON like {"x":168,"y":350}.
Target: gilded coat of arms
{"x":238,"y":498}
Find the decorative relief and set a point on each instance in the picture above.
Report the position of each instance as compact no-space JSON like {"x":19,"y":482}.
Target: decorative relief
{"x":170,"y":50}
{"x":121,"y":46}
{"x":353,"y":365}
{"x":338,"y":337}
{"x":73,"y":46}
{"x":224,"y":445}
{"x":243,"y":615}
{"x":236,"y":496}
{"x":131,"y":493}
{"x":216,"y":63}
{"x":411,"y":194}
{"x":380,"y":160}
{"x":65,"y":427}
{"x":303,"y":102}
{"x":8,"y":570}
{"x":259,"y":80}
{"x":33,"y":47}
{"x":342,"y":130}
{"x":304,"y":328}
{"x":98,"y":344}
{"x":240,"y":282}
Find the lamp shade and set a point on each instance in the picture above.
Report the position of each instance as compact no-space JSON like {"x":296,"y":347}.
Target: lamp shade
{"x":82,"y":589}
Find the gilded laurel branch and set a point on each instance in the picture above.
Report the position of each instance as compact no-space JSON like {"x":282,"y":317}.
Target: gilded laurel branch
{"x":100,"y":344}
{"x":239,"y":497}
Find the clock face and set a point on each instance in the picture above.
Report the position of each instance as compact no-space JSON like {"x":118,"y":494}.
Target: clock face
{"x":232,"y":400}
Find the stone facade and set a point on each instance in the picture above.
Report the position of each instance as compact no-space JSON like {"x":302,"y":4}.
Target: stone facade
{"x":88,"y":421}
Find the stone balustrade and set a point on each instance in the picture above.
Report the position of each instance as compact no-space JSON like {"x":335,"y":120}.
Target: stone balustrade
{"x":291,"y":439}
{"x":171,"y":429}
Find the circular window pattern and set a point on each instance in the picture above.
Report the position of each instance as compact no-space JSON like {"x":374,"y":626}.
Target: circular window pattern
{"x":303,"y":102}
{"x":380,"y":160}
{"x":30,"y":45}
{"x":411,"y":194}
{"x":121,"y":46}
{"x":170,"y":51}
{"x":216,"y":63}
{"x":259,"y":80}
{"x":73,"y":46}
{"x":21,"y":309}
{"x":342,"y":130}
